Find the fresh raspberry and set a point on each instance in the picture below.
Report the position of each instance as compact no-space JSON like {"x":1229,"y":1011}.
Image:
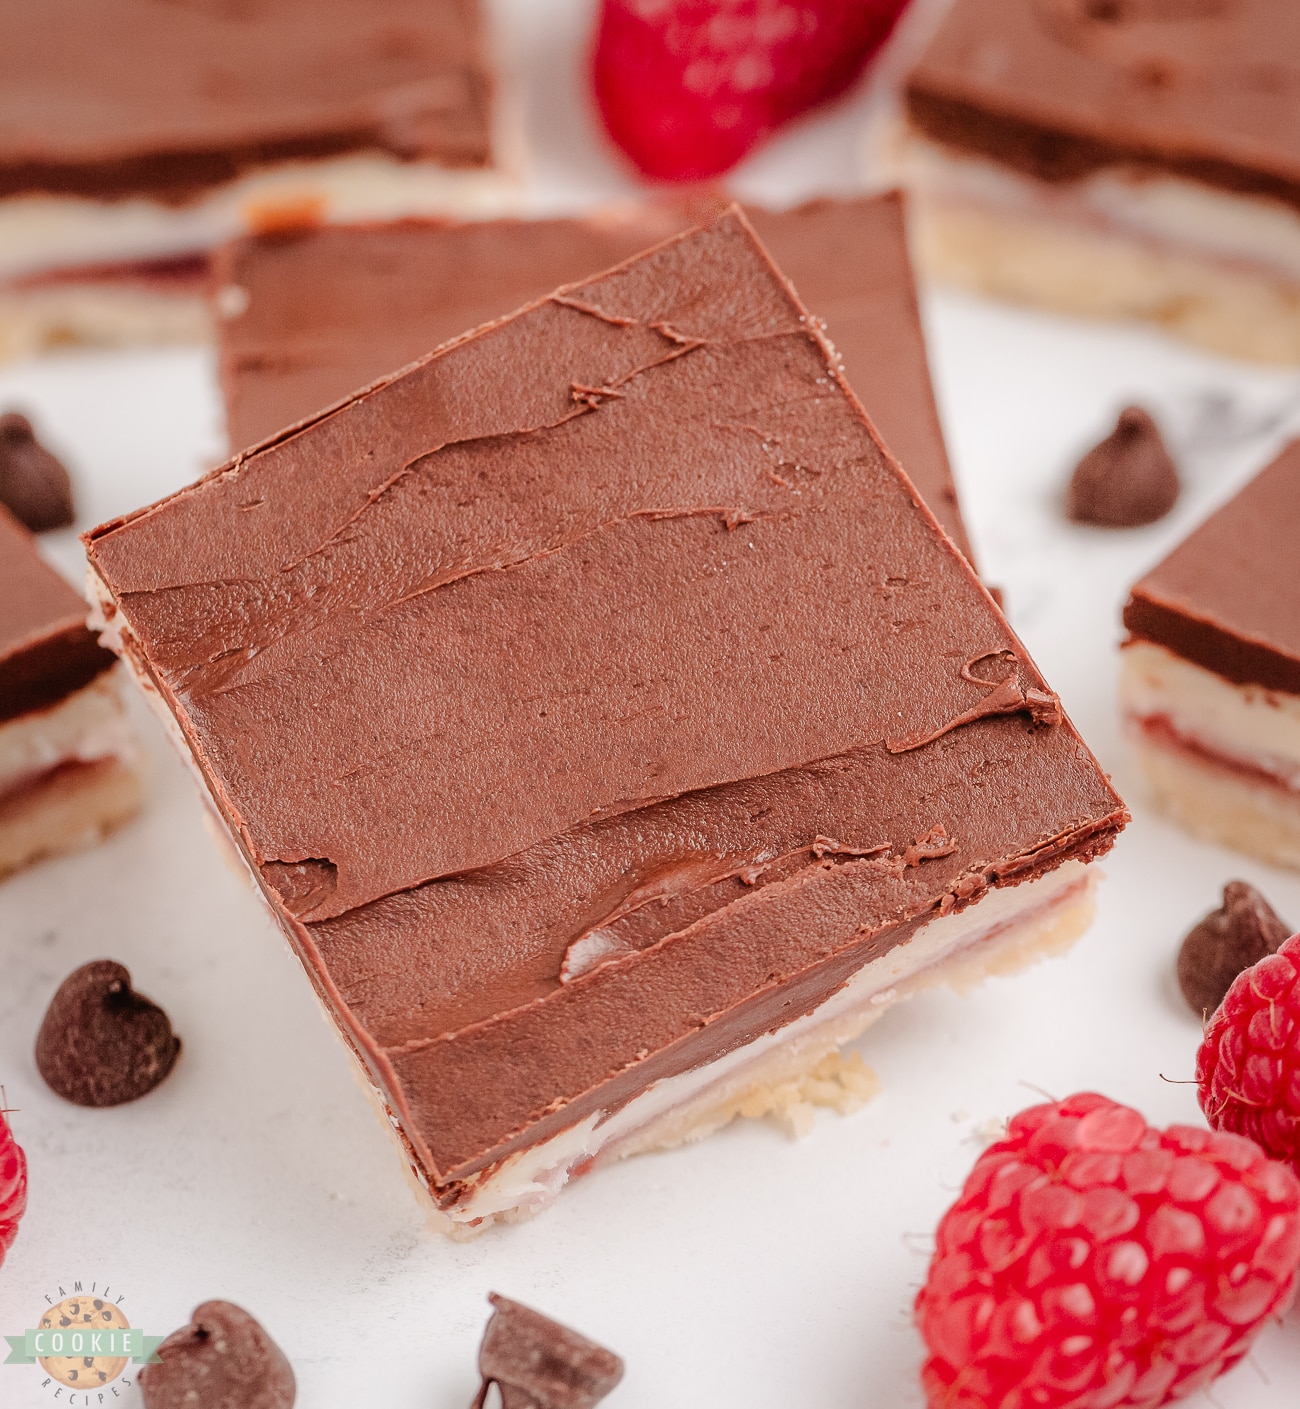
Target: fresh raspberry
{"x":1248,"y":1067}
{"x":13,"y":1186}
{"x":687,"y":87}
{"x":1093,"y":1262}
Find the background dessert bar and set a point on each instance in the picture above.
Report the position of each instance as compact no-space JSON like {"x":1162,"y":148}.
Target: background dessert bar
{"x":317,"y":314}
{"x":137,"y":134}
{"x":67,"y":759}
{"x":1211,"y":684}
{"x":1133,"y":160}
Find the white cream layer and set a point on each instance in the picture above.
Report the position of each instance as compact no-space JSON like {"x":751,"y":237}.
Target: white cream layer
{"x":39,"y":232}
{"x":1247,"y":723}
{"x":89,"y":724}
{"x":531,"y":1179}
{"x":1156,"y":209}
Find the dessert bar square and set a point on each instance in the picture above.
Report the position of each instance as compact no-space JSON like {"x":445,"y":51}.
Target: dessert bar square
{"x":316,"y":314}
{"x":1128,"y":158}
{"x":133,"y":132}
{"x":609,"y":725}
{"x":1211,"y":680}
{"x":67,"y":758}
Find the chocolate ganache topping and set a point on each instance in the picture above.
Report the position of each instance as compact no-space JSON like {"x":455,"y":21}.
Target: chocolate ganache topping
{"x":597,"y":620}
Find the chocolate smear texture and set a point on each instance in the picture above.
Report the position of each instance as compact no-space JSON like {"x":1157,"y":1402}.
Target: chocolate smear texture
{"x":34,"y":486}
{"x":1128,"y":479}
{"x":222,"y":1360}
{"x":536,"y":1363}
{"x":1244,"y":930}
{"x":102,"y":1043}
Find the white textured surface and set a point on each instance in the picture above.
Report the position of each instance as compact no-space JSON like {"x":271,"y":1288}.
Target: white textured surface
{"x":748,"y":1272}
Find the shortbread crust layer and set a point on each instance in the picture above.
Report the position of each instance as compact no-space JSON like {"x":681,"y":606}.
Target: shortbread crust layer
{"x":70,"y":807}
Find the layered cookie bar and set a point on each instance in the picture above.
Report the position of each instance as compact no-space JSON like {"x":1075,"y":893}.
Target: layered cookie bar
{"x":1133,"y":158}
{"x":136,"y":132}
{"x":609,"y":725}
{"x":1211,"y":678}
{"x":311,"y":316}
{"x":67,"y":759}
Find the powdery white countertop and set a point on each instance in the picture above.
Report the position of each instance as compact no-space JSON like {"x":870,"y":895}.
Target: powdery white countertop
{"x":750,"y":1270}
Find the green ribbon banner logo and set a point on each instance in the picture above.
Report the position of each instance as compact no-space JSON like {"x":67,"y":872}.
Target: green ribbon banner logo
{"x":111,"y":1343}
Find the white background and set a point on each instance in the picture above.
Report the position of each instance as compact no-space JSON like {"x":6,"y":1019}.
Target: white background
{"x":750,"y":1270}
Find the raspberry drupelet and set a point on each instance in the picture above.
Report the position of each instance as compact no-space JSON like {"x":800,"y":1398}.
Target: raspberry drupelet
{"x":1248,"y":1066}
{"x":1093,"y":1262}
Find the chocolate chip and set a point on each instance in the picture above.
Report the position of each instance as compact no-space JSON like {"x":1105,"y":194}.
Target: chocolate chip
{"x":102,"y":1043}
{"x":222,"y":1360}
{"x":1126,"y":481}
{"x":34,"y":486}
{"x":1244,"y":930}
{"x":536,"y":1363}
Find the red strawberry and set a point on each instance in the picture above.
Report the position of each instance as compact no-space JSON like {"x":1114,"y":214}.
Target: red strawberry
{"x":1092,"y":1262}
{"x":13,"y":1186}
{"x":687,"y":87}
{"x":1248,"y":1067}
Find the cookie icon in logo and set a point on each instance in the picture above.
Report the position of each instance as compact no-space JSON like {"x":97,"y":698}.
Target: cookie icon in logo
{"x":77,"y":1318}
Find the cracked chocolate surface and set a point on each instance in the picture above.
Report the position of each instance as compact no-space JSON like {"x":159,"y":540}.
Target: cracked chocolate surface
{"x":595,"y":623}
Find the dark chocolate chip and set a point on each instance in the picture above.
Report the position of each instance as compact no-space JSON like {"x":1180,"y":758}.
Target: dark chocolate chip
{"x":1244,"y":930}
{"x":222,"y":1360}
{"x":101,"y":1042}
{"x":1126,"y":481}
{"x":34,"y":486}
{"x":536,"y":1363}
